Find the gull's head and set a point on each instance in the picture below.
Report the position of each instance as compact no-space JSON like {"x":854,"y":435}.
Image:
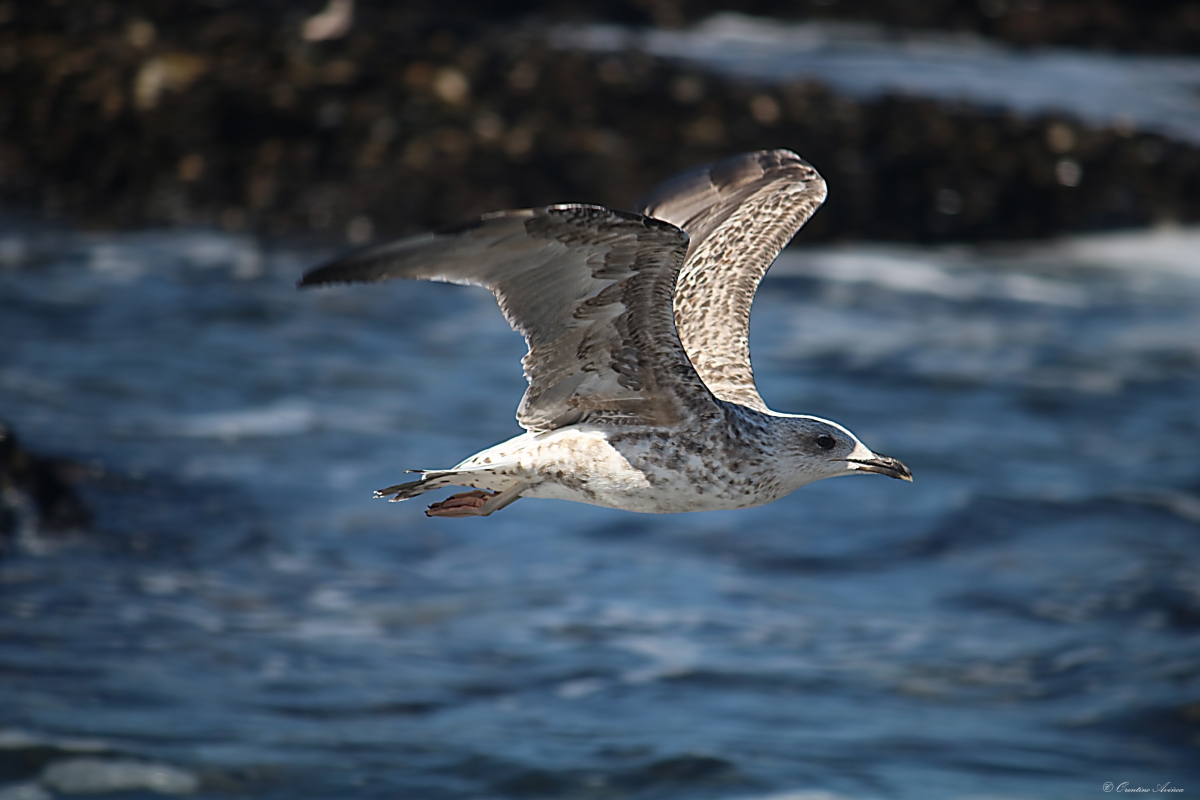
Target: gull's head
{"x":822,"y":449}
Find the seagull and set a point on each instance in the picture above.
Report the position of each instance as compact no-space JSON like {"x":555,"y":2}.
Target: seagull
{"x":641,"y":396}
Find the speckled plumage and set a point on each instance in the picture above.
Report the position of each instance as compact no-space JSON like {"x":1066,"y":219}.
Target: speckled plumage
{"x":641,"y":395}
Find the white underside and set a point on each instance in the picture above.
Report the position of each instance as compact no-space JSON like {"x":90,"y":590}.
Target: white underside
{"x":647,"y":474}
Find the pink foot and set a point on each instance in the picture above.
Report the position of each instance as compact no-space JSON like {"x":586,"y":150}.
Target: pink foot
{"x":468,"y":504}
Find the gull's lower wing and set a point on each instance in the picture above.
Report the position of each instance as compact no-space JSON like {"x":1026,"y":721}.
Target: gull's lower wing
{"x":591,"y":291}
{"x":739,"y":213}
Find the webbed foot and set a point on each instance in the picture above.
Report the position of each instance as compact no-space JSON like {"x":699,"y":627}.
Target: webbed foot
{"x":478,"y":503}
{"x":467,"y":504}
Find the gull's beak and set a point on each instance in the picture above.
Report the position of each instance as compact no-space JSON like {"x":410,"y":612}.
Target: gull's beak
{"x":884,"y":465}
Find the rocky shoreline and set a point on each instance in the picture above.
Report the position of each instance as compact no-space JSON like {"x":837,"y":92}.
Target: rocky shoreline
{"x":228,"y":118}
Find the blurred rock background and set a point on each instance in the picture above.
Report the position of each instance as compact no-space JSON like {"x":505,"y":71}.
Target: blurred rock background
{"x":395,"y":119}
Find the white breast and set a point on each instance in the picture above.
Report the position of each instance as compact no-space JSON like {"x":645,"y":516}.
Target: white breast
{"x":645,"y":471}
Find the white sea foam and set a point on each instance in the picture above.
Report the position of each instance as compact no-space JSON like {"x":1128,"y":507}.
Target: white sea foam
{"x":896,"y":271}
{"x":24,"y":791}
{"x":669,"y":655}
{"x":1153,"y":93}
{"x":99,"y":775}
{"x":14,"y":251}
{"x":961,"y":340}
{"x":124,"y":258}
{"x":17,"y":739}
{"x":1031,"y":272}
{"x":286,"y":418}
{"x":1169,"y":250}
{"x":206,"y":250}
{"x":120,"y":263}
{"x":337,"y":628}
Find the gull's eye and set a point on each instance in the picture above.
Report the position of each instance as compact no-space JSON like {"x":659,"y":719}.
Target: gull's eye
{"x":826,"y":442}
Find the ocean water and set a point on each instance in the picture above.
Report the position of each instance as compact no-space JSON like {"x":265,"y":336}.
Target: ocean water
{"x":244,"y":619}
{"x":1149,"y":93}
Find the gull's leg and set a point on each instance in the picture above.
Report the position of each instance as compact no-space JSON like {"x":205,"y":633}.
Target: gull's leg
{"x":478,"y":503}
{"x":467,"y":504}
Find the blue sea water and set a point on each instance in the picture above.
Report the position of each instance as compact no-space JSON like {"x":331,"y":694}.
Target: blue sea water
{"x":243,"y":619}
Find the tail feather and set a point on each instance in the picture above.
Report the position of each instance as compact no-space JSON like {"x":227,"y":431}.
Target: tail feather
{"x":429,"y":480}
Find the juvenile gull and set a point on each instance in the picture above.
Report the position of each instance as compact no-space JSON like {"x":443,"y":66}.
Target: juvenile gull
{"x":640,"y":393}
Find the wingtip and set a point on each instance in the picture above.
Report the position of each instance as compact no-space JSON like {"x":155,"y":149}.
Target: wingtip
{"x":310,"y":278}
{"x":327,"y":275}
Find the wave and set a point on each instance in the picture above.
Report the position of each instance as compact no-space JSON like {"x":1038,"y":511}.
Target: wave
{"x":1152,"y":93}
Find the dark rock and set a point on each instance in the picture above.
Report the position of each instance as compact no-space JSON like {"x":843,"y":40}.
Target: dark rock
{"x":127,"y":115}
{"x":35,"y":490}
{"x":1146,"y":26}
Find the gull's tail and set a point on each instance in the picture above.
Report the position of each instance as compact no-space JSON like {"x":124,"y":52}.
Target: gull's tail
{"x":430,"y":479}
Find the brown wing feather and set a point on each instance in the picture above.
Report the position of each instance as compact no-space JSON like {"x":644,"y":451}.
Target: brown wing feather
{"x":739,"y":213}
{"x":589,"y":288}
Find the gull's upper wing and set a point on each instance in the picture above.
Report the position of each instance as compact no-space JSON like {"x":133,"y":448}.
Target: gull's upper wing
{"x":739,"y":213}
{"x":591,"y":291}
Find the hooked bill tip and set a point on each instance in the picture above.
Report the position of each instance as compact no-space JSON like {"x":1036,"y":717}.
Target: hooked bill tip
{"x":883,"y":465}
